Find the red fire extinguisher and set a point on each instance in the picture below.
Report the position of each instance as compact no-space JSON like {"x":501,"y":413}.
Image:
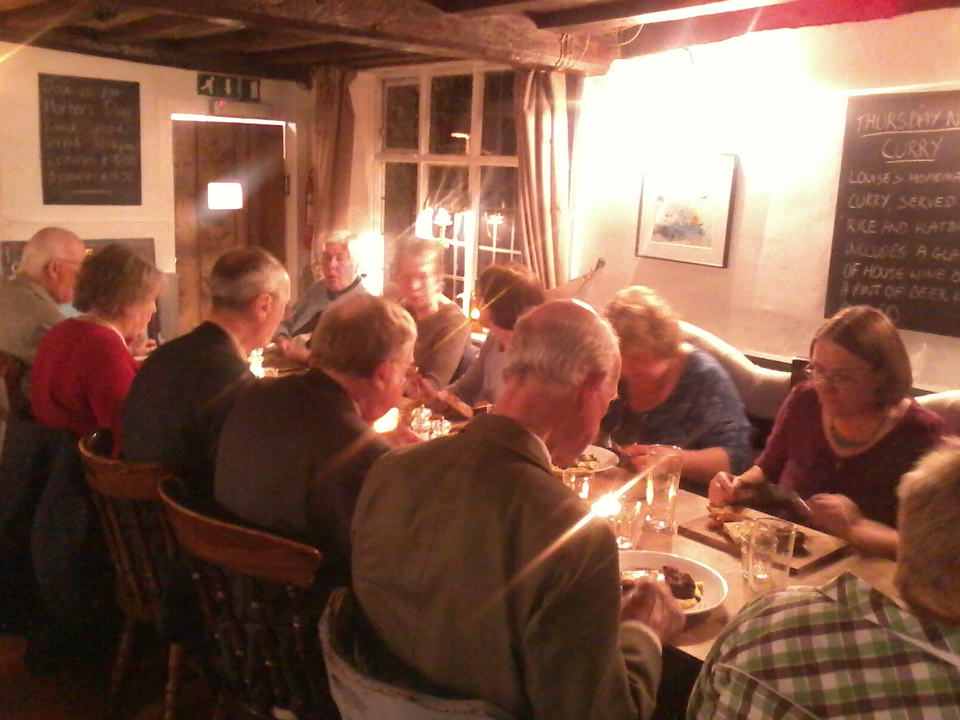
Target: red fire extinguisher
{"x":310,"y":211}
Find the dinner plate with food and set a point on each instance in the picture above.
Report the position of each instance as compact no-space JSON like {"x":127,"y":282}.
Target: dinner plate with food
{"x":595,"y":458}
{"x":697,"y":587}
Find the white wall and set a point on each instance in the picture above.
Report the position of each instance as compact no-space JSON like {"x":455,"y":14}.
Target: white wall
{"x":777,"y":100}
{"x":163,"y":91}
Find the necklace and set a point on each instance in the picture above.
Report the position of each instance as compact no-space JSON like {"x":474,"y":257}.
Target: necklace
{"x":845,"y":443}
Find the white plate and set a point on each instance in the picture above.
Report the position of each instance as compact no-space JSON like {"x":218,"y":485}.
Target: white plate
{"x":714,"y":586}
{"x":606,"y":459}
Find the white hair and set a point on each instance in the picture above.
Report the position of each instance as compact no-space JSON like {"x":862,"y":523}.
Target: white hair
{"x":562,"y":341}
{"x":46,"y":245}
{"x":239,"y":276}
{"x":336,"y":237}
{"x":929,"y":525}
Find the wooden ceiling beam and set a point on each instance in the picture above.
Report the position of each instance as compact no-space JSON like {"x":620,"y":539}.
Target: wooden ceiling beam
{"x":158,"y":27}
{"x":86,"y":43}
{"x":61,"y":12}
{"x":501,"y":7}
{"x":619,"y":14}
{"x":252,"y":41}
{"x":412,"y":26}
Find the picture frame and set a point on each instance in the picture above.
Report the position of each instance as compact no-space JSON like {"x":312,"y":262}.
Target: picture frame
{"x":686,"y":208}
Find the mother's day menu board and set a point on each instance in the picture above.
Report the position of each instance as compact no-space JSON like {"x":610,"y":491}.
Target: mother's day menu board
{"x":89,"y":141}
{"x":896,"y":236}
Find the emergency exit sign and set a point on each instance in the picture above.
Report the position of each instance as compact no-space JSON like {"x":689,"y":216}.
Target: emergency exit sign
{"x":228,"y":87}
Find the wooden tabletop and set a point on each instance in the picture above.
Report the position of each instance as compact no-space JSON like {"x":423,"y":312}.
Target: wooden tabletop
{"x":701,"y":630}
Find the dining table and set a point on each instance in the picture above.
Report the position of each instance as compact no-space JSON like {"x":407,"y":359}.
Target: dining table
{"x":702,"y":629}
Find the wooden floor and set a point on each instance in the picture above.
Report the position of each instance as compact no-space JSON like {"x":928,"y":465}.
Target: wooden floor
{"x":80,"y":691}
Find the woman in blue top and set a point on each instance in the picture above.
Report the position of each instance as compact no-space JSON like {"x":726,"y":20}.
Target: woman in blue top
{"x":671,"y":393}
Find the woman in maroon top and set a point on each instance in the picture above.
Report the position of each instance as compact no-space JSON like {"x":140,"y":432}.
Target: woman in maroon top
{"x":83,"y":367}
{"x":844,"y":439}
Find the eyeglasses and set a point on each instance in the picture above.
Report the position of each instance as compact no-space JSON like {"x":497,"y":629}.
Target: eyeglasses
{"x":839,"y":378}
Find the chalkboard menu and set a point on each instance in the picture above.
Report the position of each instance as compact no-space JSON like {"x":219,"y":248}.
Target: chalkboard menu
{"x":89,"y":141}
{"x":896,"y":237}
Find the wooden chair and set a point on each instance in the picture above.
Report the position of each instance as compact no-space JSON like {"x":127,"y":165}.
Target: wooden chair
{"x":12,"y":370}
{"x":141,"y":547}
{"x":261,"y":611}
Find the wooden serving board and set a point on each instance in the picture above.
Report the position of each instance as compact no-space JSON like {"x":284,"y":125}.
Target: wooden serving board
{"x":821,"y":548}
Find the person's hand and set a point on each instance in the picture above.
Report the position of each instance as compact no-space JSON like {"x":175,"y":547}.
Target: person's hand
{"x":654,"y":605}
{"x":723,"y":489}
{"x":455,"y":403}
{"x":142,"y":346}
{"x":401,"y":436}
{"x":283,"y":344}
{"x":294,"y":349}
{"x":635,"y":453}
{"x":835,"y":514}
{"x":421,"y":390}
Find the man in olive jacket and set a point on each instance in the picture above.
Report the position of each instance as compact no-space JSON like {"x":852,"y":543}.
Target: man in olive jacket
{"x":484,"y":576}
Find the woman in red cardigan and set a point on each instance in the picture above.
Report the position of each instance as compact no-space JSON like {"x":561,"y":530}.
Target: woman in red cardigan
{"x":83,"y":367}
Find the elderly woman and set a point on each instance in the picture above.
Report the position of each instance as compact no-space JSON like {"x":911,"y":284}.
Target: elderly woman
{"x":671,"y":393}
{"x":504,"y":293}
{"x":83,"y":367}
{"x":844,"y":439}
{"x":442,"y":329}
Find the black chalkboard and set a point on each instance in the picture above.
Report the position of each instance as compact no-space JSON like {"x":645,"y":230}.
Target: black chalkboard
{"x":896,"y":237}
{"x":89,"y":141}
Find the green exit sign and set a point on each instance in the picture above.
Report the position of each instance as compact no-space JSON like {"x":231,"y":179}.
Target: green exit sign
{"x":228,"y":87}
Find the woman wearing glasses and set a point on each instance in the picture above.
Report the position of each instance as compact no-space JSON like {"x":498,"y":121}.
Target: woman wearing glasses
{"x":843,"y":439}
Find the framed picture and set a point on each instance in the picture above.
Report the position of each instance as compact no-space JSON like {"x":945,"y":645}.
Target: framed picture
{"x":686,"y":204}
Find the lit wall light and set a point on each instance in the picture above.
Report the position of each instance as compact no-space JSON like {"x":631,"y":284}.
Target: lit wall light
{"x":224,"y":196}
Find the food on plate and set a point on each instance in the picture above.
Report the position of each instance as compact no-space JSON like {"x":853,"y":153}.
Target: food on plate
{"x":587,"y":461}
{"x":722,"y":514}
{"x":685,"y":589}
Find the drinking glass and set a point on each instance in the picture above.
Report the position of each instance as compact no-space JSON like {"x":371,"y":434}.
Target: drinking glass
{"x":743,"y":542}
{"x":621,"y":512}
{"x":579,"y":480}
{"x":658,"y":485}
{"x":770,"y":553}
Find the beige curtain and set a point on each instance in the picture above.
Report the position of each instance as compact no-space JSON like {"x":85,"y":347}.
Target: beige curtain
{"x":546,"y":115}
{"x":332,"y":150}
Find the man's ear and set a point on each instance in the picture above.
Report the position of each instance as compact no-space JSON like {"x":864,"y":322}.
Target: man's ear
{"x":263,"y":304}
{"x":381,"y":374}
{"x":590,"y":386}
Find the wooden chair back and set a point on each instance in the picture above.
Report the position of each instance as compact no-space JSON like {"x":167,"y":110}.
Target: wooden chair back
{"x":261,"y":610}
{"x":12,"y":370}
{"x":126,"y":496}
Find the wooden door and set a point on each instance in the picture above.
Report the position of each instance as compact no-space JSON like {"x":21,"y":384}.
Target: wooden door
{"x":206,"y":152}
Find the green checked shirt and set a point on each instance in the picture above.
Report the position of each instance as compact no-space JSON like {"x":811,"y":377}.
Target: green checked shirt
{"x":845,"y":650}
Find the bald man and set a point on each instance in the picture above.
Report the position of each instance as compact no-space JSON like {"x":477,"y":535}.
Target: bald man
{"x":29,"y":302}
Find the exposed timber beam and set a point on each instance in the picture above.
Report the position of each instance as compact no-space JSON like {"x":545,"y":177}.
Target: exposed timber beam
{"x":410,"y":26}
{"x":619,"y":14}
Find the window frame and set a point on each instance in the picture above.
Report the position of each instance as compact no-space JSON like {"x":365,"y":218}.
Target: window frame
{"x":472,"y":159}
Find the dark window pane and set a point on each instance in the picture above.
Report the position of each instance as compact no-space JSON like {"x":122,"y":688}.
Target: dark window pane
{"x":499,"y":127}
{"x":450,"y":100}
{"x":399,"y":198}
{"x":401,"y":117}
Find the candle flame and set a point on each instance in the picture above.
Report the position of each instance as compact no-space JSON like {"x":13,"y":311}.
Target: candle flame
{"x":388,"y":421}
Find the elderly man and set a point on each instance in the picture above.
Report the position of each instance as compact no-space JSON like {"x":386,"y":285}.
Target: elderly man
{"x":336,"y":276}
{"x":180,"y":398}
{"x":28,"y":302}
{"x":442,"y":329}
{"x":295,"y":450}
{"x":847,"y":650}
{"x":483,"y":575}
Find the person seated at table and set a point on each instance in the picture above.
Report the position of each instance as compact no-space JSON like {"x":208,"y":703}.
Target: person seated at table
{"x":29,"y":306}
{"x":336,"y":275}
{"x":843,"y":439}
{"x":83,"y":368}
{"x":294,"y":450}
{"x":180,"y":398}
{"x":672,"y":393}
{"x":443,"y":331}
{"x":483,"y":576}
{"x":848,"y":650}
{"x":504,"y":293}
{"x":82,"y":372}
